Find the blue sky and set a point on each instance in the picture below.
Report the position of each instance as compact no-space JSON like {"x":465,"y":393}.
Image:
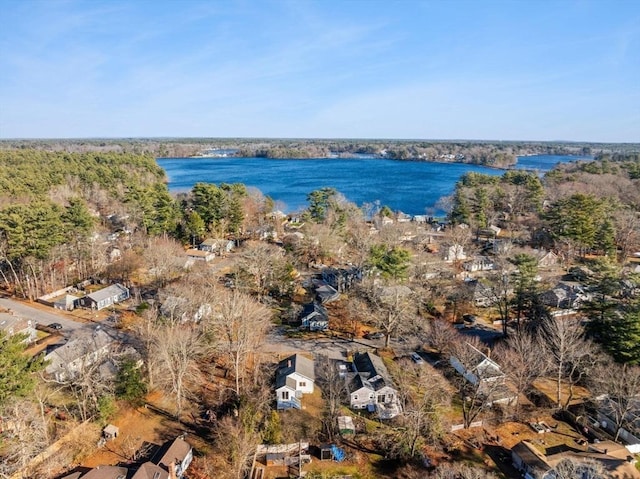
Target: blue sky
{"x":448,"y":69}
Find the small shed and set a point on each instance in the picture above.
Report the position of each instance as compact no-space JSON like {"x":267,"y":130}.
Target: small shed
{"x":345,"y":425}
{"x":324,"y":452}
{"x":110,"y":432}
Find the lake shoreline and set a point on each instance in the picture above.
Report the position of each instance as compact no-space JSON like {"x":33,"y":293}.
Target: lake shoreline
{"x":409,"y":160}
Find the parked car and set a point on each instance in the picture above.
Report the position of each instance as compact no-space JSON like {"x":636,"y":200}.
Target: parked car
{"x":417,"y":358}
{"x":376,"y":335}
{"x":469,"y":320}
{"x":55,"y":326}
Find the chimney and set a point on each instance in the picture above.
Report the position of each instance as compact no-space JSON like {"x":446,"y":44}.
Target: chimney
{"x":172,"y":471}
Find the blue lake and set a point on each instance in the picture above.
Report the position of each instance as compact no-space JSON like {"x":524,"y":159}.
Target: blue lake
{"x":409,"y":186}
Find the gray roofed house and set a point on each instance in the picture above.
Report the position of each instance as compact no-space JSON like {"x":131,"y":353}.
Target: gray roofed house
{"x":216,"y":245}
{"x":314,"y":317}
{"x":529,"y":461}
{"x":12,"y":324}
{"x":295,"y":376}
{"x":326,"y":293}
{"x":482,"y":371}
{"x":68,"y":359}
{"x":565,"y":296}
{"x":105,"y":297}
{"x":371,"y":387}
{"x":342,"y":279}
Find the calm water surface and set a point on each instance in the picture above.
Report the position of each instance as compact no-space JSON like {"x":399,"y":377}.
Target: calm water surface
{"x":411,"y":187}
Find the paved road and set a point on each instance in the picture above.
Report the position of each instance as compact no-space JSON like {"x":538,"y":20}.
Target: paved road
{"x":69,"y":326}
{"x":335,"y":348}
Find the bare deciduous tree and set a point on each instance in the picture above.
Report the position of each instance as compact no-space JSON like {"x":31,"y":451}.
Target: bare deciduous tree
{"x":569,"y":353}
{"x":262,"y":268}
{"x":164,"y":258}
{"x":237,"y":443}
{"x":521,"y":361}
{"x":425,"y":396}
{"x":441,"y":336}
{"x":391,"y":307}
{"x":620,"y":384}
{"x":179,"y":348}
{"x":334,"y":391}
{"x":238,"y":327}
{"x":29,"y":436}
{"x":461,"y":471}
{"x":480,"y":382}
{"x":570,"y":468}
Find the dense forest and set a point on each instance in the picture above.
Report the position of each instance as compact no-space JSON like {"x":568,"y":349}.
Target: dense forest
{"x":499,"y":154}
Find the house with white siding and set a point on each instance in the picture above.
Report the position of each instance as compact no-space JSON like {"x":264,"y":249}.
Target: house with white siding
{"x":370,"y":387}
{"x":295,"y":376}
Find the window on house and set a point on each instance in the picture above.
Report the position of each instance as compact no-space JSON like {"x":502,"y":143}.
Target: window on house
{"x":302,"y":384}
{"x":355,"y":397}
{"x":285,"y":395}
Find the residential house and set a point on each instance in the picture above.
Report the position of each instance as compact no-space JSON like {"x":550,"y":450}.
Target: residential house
{"x":11,"y":324}
{"x":495,"y":230}
{"x":175,"y":457}
{"x":326,"y":293}
{"x":218,"y":246}
{"x":531,"y":463}
{"x":453,"y":253}
{"x":547,"y":259}
{"x":109,"y":296}
{"x":483,"y":295}
{"x":67,"y":360}
{"x":629,"y":431}
{"x":565,"y":296}
{"x":170,"y":462}
{"x":295,"y":376}
{"x":106,"y":472}
{"x":480,"y":370}
{"x":314,"y":317}
{"x":67,"y":302}
{"x":179,"y":308}
{"x":199,"y":255}
{"x":403,"y":217}
{"x":479,"y":263}
{"x":613,"y":458}
{"x":370,"y":386}
{"x":342,"y":279}
{"x":149,"y":470}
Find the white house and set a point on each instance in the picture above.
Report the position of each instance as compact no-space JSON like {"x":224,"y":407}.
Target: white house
{"x":482,"y":371}
{"x":295,"y":376}
{"x":105,"y":297}
{"x":216,"y":245}
{"x":371,"y":387}
{"x":454,"y":252}
{"x":479,"y":263}
{"x":200,"y":255}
